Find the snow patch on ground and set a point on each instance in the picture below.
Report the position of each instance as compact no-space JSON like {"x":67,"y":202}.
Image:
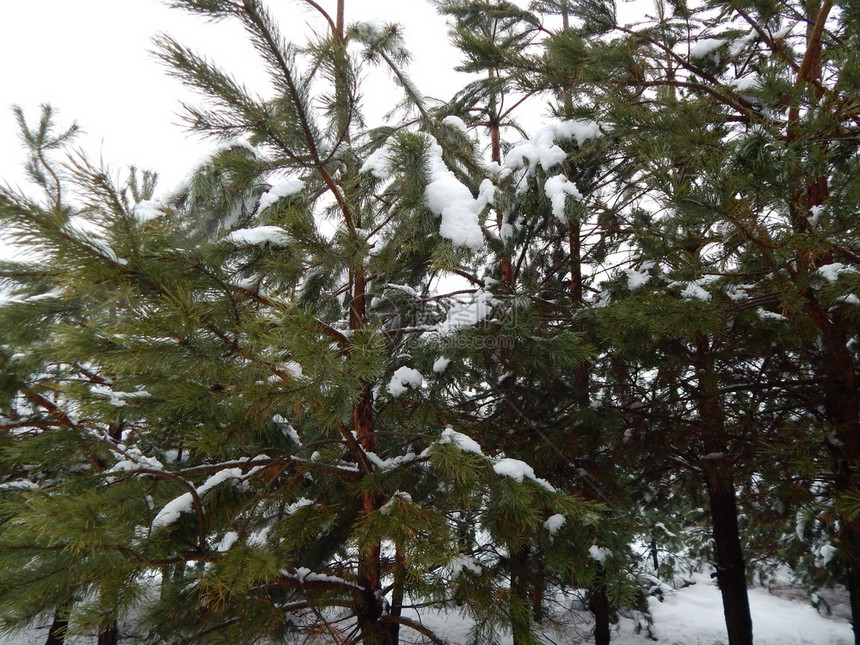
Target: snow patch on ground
{"x":689,"y":616}
{"x":695,"y":615}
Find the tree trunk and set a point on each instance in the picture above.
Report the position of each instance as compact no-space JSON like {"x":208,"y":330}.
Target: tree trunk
{"x":842,"y":405}
{"x":368,"y":613}
{"x":397,"y":593}
{"x":719,"y":483}
{"x":849,"y":539}
{"x":538,"y":589}
{"x":506,"y":267}
{"x":598,"y":604}
{"x":369,"y":607}
{"x":109,"y":636}
{"x":57,"y":631}
{"x":519,"y":611}
{"x":731,"y":569}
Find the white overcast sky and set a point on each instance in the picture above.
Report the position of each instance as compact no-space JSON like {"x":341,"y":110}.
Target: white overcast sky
{"x":91,"y":60}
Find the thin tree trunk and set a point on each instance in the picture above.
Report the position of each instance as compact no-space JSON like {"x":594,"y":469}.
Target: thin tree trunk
{"x":506,"y":267}
{"x":841,"y":395}
{"x":397,"y":593}
{"x":598,"y":604}
{"x":850,"y":542}
{"x":538,"y":590}
{"x":340,"y":21}
{"x":520,"y":607}
{"x":654,"y":553}
{"x":731,"y":569}
{"x":842,"y":381}
{"x":109,"y":636}
{"x":369,"y":607}
{"x":57,"y":631}
{"x":719,"y":484}
{"x":842,"y":405}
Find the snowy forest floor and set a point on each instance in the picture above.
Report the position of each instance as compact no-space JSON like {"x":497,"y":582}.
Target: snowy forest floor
{"x":688,"y":616}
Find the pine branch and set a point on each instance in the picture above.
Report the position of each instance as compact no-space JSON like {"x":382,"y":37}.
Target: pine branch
{"x":263,"y":28}
{"x":418,"y":627}
{"x":741,"y":105}
{"x":335,"y":32}
{"x":192,"y":491}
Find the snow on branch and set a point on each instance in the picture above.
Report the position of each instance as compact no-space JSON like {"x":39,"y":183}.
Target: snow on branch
{"x":542,"y":150}
{"x":451,"y":200}
{"x":184,"y":503}
{"x":287,"y":188}
{"x":503,"y":466}
{"x":402,"y":378}
{"x":274,"y":235}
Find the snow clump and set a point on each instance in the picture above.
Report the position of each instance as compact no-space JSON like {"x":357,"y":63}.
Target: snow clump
{"x":598,"y":553}
{"x":468,"y":314}
{"x":274,"y":235}
{"x":462,"y":441}
{"x":542,"y":150}
{"x":378,"y":163}
{"x":518,"y":470}
{"x":403,"y":377}
{"x":441,"y":364}
{"x":285,"y":189}
{"x":554,"y":523}
{"x":705,"y":47}
{"x":455,"y":122}
{"x":557,"y":188}
{"x":183,"y":504}
{"x":831,"y":272}
{"x":147,"y":209}
{"x":451,"y":200}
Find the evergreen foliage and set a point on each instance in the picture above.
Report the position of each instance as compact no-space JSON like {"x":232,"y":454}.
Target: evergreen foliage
{"x":347,"y":374}
{"x":213,"y":423}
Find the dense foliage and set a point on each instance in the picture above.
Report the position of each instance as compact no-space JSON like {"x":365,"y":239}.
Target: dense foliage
{"x":345,"y":375}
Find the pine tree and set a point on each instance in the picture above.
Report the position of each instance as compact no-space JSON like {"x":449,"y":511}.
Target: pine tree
{"x":216,"y":419}
{"x":736,"y":118}
{"x":552,"y":235}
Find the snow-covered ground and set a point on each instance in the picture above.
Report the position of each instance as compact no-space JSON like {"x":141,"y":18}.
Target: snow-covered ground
{"x":694,"y":616}
{"x":689,"y":616}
